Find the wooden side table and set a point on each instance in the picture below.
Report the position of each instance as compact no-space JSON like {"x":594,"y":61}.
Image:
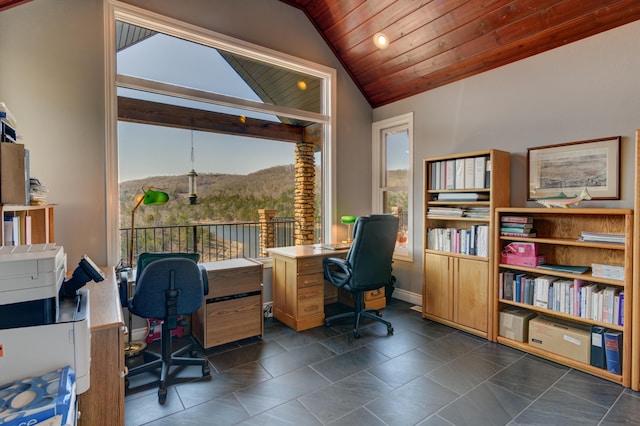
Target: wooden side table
{"x":232,"y":309}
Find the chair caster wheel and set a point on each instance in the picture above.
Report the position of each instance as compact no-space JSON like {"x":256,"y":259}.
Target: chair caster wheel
{"x":389,"y":331}
{"x":356,"y":334}
{"x":162,"y":396}
{"x":206,"y":371}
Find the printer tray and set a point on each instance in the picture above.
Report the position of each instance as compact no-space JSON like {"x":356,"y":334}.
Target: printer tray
{"x":29,"y":313}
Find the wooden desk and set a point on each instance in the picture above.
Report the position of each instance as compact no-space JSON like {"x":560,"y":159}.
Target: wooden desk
{"x":299,"y":288}
{"x":103,"y":402}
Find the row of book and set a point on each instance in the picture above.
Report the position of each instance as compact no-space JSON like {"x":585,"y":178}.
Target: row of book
{"x":473,"y":241}
{"x":17,"y":230}
{"x":461,"y":173}
{"x":573,"y":297}
{"x":517,"y":226}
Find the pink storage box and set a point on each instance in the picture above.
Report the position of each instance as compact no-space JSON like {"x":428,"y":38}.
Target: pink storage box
{"x":531,"y":261}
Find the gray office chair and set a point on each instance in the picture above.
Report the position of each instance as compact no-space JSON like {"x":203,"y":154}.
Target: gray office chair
{"x":366,"y":267}
{"x":168,"y":285}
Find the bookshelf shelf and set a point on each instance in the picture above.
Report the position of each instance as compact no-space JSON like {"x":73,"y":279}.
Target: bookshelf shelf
{"x":34,"y":220}
{"x":599,"y":372}
{"x":558,"y":231}
{"x":456,"y":289}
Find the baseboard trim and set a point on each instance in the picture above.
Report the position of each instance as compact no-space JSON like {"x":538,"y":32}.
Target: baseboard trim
{"x":407,"y":296}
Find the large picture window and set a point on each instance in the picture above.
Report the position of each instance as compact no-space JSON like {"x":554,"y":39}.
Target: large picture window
{"x":393,"y":177}
{"x":185,"y":98}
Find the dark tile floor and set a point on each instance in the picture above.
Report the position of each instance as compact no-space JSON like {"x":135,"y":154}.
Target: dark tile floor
{"x":424,"y":374}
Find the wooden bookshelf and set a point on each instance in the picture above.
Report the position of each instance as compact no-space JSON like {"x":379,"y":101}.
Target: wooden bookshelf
{"x":558,"y":233}
{"x":40,"y":218}
{"x":456,"y":281}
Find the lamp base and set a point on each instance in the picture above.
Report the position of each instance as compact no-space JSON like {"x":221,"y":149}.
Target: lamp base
{"x":134,"y":348}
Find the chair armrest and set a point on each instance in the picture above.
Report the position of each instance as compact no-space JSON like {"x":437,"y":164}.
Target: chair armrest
{"x":205,"y":278}
{"x":337,"y":271}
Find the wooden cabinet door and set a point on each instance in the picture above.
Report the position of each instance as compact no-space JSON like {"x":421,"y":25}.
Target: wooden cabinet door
{"x":471,"y":290}
{"x":437,"y":292}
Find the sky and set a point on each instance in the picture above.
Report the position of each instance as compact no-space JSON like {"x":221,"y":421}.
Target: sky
{"x":168,"y":150}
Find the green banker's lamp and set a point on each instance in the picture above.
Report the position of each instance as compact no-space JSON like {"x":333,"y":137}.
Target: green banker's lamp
{"x":349,"y":221}
{"x":149,"y":196}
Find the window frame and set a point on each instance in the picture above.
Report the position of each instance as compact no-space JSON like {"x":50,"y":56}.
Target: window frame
{"x":379,"y":130}
{"x":115,"y":10}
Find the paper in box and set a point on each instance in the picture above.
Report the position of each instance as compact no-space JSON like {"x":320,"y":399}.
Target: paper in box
{"x":560,"y":337}
{"x":514,"y":323}
{"x":46,"y":399}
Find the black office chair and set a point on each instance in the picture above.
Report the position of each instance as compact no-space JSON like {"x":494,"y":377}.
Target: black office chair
{"x":168,"y":285}
{"x":366,"y":267}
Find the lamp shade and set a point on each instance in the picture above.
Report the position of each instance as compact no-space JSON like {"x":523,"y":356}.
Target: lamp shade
{"x":348,"y":220}
{"x":152,"y":196}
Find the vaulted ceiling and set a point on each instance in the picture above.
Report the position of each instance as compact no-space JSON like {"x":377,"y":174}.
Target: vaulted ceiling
{"x":436,"y":42}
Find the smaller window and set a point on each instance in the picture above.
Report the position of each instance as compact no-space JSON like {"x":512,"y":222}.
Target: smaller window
{"x":393,"y":177}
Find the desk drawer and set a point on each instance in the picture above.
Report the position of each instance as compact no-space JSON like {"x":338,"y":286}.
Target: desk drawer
{"x":225,"y":282}
{"x":233,"y":319}
{"x":310,"y":280}
{"x":309,"y":265}
{"x":310,"y":300}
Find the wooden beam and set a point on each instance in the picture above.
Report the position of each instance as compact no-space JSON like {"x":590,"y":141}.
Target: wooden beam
{"x":147,"y":112}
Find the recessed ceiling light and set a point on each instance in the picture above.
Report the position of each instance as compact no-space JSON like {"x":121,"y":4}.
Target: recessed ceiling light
{"x":381,"y":40}
{"x":302,"y":85}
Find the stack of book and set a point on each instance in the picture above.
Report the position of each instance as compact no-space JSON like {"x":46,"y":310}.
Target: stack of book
{"x":517,"y":226}
{"x":602,"y":238}
{"x":607,"y":271}
{"x":445,"y":211}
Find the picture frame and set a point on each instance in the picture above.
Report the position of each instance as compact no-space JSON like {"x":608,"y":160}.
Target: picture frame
{"x":571,"y":167}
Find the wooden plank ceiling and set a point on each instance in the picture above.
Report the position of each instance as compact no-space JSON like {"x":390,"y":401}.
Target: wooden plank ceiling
{"x":433,"y":43}
{"x":436,"y":42}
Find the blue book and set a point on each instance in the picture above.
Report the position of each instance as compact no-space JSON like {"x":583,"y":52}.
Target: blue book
{"x":613,"y":351}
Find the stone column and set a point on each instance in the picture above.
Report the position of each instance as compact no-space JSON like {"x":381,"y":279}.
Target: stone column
{"x":267,"y":230}
{"x":303,"y":201}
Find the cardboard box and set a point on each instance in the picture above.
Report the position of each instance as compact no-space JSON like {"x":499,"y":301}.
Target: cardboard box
{"x":12,"y":174}
{"x":560,"y":337}
{"x":531,"y":261}
{"x":514,"y":323}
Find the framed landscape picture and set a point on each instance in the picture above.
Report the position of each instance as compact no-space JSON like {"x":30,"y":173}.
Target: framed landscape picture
{"x":571,"y":167}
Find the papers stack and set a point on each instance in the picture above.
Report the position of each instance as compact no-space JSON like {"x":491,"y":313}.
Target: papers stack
{"x":602,"y":238}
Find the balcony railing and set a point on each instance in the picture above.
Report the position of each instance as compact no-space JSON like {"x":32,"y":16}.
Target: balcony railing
{"x":214,"y":241}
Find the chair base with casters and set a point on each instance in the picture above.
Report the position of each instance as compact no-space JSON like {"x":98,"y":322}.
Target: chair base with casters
{"x":358,"y":313}
{"x":161,"y":363}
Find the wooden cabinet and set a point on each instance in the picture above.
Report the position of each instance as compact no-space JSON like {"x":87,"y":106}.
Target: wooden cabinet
{"x":35,"y":223}
{"x":458,"y":223}
{"x":458,"y":290}
{"x":232,"y":310}
{"x":103,"y":403}
{"x":558,"y":238}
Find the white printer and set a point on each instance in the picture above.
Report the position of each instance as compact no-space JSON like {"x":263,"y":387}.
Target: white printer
{"x":40,"y":330}
{"x":30,"y":280}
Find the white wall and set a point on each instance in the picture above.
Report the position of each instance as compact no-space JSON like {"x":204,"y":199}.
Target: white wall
{"x":586,"y":90}
{"x":52,"y":79}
